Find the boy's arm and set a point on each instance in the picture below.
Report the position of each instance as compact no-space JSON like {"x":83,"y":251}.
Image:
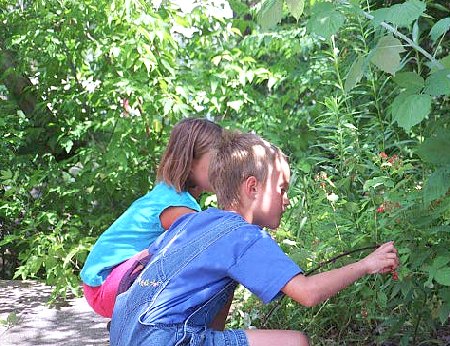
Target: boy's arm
{"x":312,"y":290}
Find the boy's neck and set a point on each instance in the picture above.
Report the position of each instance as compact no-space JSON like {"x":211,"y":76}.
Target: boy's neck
{"x":245,"y":210}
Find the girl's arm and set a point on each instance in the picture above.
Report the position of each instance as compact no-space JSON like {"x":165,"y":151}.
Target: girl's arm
{"x":312,"y":290}
{"x":219,"y":321}
{"x":169,"y":215}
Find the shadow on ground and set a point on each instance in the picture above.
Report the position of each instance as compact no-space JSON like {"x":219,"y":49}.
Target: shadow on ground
{"x":26,"y":319}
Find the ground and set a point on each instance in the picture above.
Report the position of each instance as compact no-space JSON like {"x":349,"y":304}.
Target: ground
{"x":26,"y":319}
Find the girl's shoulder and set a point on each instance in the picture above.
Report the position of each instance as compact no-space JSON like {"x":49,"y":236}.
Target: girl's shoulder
{"x":165,"y":190}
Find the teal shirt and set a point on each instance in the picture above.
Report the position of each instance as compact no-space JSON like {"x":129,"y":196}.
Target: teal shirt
{"x":132,"y":232}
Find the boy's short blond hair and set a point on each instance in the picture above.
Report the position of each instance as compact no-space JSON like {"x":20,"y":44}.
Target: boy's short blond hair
{"x":236,"y":157}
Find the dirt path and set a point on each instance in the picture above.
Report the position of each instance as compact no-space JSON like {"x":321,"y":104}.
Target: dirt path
{"x":26,"y":319}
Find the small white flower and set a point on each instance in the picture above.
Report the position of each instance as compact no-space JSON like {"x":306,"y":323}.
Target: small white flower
{"x":90,"y":84}
{"x":332,"y":197}
{"x":289,"y":242}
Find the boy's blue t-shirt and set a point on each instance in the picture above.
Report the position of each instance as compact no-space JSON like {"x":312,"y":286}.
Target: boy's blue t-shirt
{"x":132,"y":232}
{"x":247,"y":255}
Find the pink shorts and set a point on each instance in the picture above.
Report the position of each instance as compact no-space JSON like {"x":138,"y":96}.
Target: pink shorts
{"x":102,"y":298}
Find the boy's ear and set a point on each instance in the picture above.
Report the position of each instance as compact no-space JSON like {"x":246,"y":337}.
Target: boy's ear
{"x":251,"y":186}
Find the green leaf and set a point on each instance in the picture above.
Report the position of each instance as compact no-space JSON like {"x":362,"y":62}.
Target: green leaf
{"x":444,"y":312}
{"x":355,"y":73}
{"x":401,"y":15}
{"x":236,"y":105}
{"x":409,"y":80}
{"x":6,"y":175}
{"x":409,"y":110}
{"x":270,"y":14}
{"x":296,"y":7}
{"x":445,"y":61}
{"x":437,"y":185}
{"x":386,"y":55}
{"x":442,"y":276}
{"x":435,"y":149}
{"x":440,"y":261}
{"x":438,"y":83}
{"x":325,"y":21}
{"x":382,"y":298}
{"x":439,"y":29}
{"x":377,"y":182}
{"x":67,"y":145}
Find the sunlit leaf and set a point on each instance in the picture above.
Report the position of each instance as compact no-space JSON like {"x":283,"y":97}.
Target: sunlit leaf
{"x":296,"y":7}
{"x":270,"y":14}
{"x":355,"y":73}
{"x":401,"y":15}
{"x":409,"y":80}
{"x":409,"y":110}
{"x":325,"y":21}
{"x":440,"y":28}
{"x":386,"y":55}
{"x":415,"y":31}
{"x":236,"y":105}
{"x":438,"y":83}
{"x":442,"y":276}
{"x":377,"y":182}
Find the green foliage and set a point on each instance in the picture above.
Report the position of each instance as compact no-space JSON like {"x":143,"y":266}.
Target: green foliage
{"x":325,"y":20}
{"x":270,"y":13}
{"x":386,"y":55}
{"x":439,"y":28}
{"x":377,"y":170}
{"x":350,"y":93}
{"x":11,"y":320}
{"x":401,"y":15}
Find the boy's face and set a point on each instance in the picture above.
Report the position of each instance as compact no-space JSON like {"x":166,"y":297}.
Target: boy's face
{"x":272,"y":199}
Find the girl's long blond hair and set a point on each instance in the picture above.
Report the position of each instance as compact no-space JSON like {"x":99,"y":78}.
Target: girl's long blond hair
{"x":190,"y":139}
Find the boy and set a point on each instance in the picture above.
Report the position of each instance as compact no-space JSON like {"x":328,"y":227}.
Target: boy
{"x":183,"y":295}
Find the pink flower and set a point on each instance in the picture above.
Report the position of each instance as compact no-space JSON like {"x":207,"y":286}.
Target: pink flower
{"x":380,"y":209}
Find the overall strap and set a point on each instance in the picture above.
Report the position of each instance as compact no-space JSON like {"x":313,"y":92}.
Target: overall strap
{"x":170,"y":261}
{"x":171,"y":257}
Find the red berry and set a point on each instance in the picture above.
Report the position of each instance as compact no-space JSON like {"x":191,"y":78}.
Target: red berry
{"x":394,"y":275}
{"x":393,"y":159}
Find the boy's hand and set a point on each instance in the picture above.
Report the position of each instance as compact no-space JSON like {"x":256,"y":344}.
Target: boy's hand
{"x":383,"y":260}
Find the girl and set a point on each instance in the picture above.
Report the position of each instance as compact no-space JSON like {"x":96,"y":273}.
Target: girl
{"x":182,"y":176}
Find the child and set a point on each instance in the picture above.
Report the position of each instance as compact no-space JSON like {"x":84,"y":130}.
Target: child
{"x":185,"y":290}
{"x":182,"y":176}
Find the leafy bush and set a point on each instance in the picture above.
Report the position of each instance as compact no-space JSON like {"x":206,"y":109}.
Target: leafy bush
{"x":357,"y":96}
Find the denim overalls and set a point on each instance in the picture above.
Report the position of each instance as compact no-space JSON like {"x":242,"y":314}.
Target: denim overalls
{"x":129,"y":325}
